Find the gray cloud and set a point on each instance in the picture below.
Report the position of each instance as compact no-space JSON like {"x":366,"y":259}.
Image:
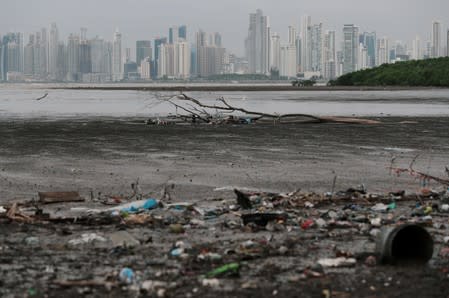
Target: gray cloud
{"x":146,"y":19}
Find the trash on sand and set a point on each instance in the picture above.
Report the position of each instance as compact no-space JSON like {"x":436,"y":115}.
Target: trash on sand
{"x":408,"y":243}
{"x":123,"y":238}
{"x":262,"y":219}
{"x":179,"y":206}
{"x":210,"y":282}
{"x":126,"y":275}
{"x":307,"y":224}
{"x":371,"y":261}
{"x":138,"y":219}
{"x":136,"y":206}
{"x":87,"y":238}
{"x":337,"y":262}
{"x":2,"y":210}
{"x":243,"y":200}
{"x":59,"y":197}
{"x":176,"y":229}
{"x":228,"y":269}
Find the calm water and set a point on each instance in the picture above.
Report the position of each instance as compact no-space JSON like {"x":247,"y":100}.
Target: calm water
{"x":17,"y":101}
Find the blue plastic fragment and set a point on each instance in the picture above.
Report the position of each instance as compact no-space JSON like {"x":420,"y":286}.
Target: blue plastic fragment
{"x":148,"y":205}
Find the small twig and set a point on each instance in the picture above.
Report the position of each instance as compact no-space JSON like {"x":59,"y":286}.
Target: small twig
{"x":42,"y":97}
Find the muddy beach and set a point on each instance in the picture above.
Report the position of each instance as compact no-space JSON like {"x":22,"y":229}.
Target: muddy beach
{"x":102,"y":157}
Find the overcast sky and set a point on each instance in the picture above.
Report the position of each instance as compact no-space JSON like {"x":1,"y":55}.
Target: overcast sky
{"x":146,"y":19}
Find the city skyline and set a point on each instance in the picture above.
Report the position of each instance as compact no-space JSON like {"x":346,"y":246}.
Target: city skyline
{"x":152,"y":18}
{"x":312,"y":50}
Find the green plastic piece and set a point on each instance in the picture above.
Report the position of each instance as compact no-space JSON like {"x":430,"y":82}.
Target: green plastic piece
{"x":232,"y":268}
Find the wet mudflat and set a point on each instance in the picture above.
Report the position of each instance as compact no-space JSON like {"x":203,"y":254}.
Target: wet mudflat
{"x":173,"y":250}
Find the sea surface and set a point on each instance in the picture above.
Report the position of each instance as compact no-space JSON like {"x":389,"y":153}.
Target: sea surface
{"x":19,"y":101}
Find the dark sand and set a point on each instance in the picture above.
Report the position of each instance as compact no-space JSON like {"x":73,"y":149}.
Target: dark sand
{"x":107,"y":155}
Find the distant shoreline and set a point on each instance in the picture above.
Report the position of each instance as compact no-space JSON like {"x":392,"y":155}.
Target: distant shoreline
{"x":241,"y":88}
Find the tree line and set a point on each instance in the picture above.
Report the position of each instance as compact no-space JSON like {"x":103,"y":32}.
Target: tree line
{"x":422,"y":73}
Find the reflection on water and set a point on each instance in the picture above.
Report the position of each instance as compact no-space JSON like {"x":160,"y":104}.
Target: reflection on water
{"x":20,"y":102}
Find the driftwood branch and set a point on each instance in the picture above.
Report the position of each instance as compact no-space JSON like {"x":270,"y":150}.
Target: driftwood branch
{"x":42,"y":97}
{"x":200,"y":111}
{"x":412,"y":172}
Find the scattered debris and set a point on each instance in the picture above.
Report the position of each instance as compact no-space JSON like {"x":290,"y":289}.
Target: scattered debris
{"x":59,"y":197}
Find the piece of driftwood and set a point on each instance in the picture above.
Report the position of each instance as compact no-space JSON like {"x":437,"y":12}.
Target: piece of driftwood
{"x":42,"y":97}
{"x":59,"y":197}
{"x":412,"y":172}
{"x":199,"y":112}
{"x":85,"y":283}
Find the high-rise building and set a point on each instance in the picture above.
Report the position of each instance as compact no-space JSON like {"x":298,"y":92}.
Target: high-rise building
{"x":363,"y":59}
{"x":257,"y":43}
{"x":44,"y":53}
{"x":416,"y":49}
{"x":350,"y":48}
{"x":53,"y":52}
{"x":11,"y":54}
{"x":383,"y":51}
{"x":329,"y":55}
{"x":215,"y":40}
{"x":143,"y":50}
{"x":173,"y":34}
{"x":117,"y":62}
{"x":182,"y":32}
{"x":177,"y":33}
{"x":166,"y":61}
{"x":316,"y":47}
{"x":62,"y":61}
{"x":28,"y":63}
{"x":436,"y":39}
{"x":157,"y":44}
{"x":182,"y":60}
{"x":275,"y":52}
{"x":85,"y":57}
{"x":369,"y":41}
{"x":145,"y":69}
{"x":306,"y":46}
{"x":98,"y":55}
{"x":292,"y":35}
{"x":73,"y":58}
{"x":288,"y":61}
{"x":447,"y":43}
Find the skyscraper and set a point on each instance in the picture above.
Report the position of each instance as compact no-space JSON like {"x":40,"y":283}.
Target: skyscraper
{"x":258,"y":43}
{"x":350,"y":48}
{"x":182,"y":60}
{"x":416,"y":49}
{"x":369,"y":41}
{"x":157,"y":44}
{"x":306,"y":47}
{"x":117,"y":63}
{"x":447,"y":43}
{"x":275,"y":52}
{"x":288,"y":61}
{"x":73,"y":58}
{"x":53,"y":52}
{"x":292,"y":35}
{"x":383,"y":51}
{"x":215,"y":40}
{"x":329,"y":55}
{"x":143,"y":50}
{"x":436,"y":39}
{"x":176,"y":33}
{"x":173,"y":34}
{"x":11,"y":54}
{"x":98,"y":55}
{"x":182,"y":32}
{"x":44,"y":53}
{"x":28,"y":63}
{"x":316,"y":47}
